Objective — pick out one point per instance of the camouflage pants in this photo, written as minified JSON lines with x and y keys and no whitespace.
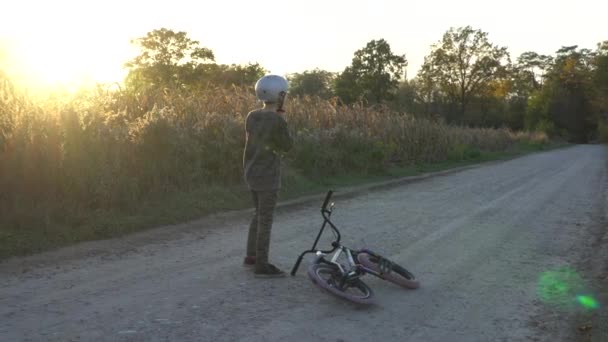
{"x":258,"y":241}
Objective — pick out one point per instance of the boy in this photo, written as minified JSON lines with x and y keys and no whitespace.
{"x":267,"y":138}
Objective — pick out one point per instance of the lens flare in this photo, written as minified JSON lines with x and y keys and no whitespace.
{"x":588,"y":302}
{"x":563,"y":288}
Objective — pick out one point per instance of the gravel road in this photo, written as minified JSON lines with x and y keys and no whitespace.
{"x":479,"y":240}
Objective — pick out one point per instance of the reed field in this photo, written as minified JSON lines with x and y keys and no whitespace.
{"x":67,"y":161}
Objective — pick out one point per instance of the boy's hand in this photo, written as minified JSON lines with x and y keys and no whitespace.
{"x":281,"y":102}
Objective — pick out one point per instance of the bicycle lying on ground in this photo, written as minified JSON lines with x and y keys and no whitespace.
{"x":345,"y":280}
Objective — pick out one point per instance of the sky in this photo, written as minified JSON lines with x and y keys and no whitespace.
{"x":72,"y":42}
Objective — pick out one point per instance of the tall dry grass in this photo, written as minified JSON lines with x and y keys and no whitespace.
{"x":63,"y":158}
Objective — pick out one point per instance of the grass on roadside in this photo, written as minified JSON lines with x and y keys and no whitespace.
{"x":183,"y":206}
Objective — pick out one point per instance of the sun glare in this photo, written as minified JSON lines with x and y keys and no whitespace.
{"x":65,"y":66}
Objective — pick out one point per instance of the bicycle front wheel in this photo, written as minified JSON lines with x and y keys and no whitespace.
{"x":388,"y":270}
{"x":328,"y":277}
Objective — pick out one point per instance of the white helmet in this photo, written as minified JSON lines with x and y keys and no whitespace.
{"x":270,"y":87}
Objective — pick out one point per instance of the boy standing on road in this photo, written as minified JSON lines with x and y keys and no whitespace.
{"x":267,"y":138}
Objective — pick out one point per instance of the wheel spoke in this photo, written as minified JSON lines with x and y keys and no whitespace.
{"x":352,"y":289}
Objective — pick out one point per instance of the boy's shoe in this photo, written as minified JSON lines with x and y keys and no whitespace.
{"x":249,"y":261}
{"x":269,"y":271}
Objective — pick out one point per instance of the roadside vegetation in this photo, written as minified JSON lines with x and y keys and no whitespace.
{"x":166,"y":146}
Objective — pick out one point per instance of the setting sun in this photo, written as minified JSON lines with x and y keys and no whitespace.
{"x":72,"y":42}
{"x":66,"y":65}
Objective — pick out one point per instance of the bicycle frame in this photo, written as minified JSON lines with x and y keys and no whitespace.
{"x":356,"y":269}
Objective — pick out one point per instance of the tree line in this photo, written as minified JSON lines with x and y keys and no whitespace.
{"x":464,"y":80}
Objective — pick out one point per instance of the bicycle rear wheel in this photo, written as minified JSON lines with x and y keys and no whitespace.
{"x":388,"y":270}
{"x":328,"y":277}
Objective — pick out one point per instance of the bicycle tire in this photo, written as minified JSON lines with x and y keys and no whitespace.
{"x":395,"y":274}
{"x":318,"y":273}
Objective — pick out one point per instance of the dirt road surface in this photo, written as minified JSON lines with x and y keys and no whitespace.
{"x":479,"y":240}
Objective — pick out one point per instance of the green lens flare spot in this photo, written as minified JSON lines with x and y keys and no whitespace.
{"x":560,"y":287}
{"x":588,"y":302}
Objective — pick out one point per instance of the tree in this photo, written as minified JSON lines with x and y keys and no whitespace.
{"x":427,"y":93}
{"x":312,"y":82}
{"x":463,"y":63}
{"x":405,"y":98}
{"x":167,"y":59}
{"x":571,"y":107}
{"x":374,"y":74}
{"x":566,"y":101}
{"x":526,"y":77}
{"x":243,"y":75}
{"x":600,"y":77}
{"x":529,"y":72}
{"x":347,"y":86}
{"x":227,"y":75}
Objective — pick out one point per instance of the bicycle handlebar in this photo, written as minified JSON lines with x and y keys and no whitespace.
{"x":327,"y":198}
{"x":326,"y":214}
